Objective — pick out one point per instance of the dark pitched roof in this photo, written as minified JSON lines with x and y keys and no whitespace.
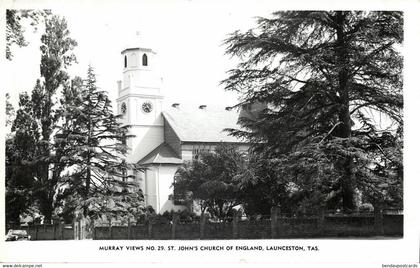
{"x":207,"y":124}
{"x":163,"y":154}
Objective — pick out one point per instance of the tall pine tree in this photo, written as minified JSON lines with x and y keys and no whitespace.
{"x":325,"y":78}
{"x":93,"y":150}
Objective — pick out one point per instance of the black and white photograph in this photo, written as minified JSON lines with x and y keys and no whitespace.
{"x":187,"y":127}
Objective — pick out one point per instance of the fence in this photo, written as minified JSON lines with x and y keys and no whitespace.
{"x":276,"y":226}
{"x":48,"y":231}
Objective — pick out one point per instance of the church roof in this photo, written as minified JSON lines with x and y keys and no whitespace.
{"x":163,"y":154}
{"x":203,"y":123}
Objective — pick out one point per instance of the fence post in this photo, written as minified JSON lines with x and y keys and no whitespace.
{"x":150,"y":227}
{"x":378,"y":220}
{"x":94,"y":233}
{"x":235,"y":225}
{"x":203,"y":219}
{"x":80,"y":226}
{"x":91,"y":228}
{"x":274,"y":216}
{"x":86,"y":228}
{"x":29,"y":231}
{"x":75,"y":231}
{"x":36,"y":231}
{"x":60,"y":233}
{"x":175,"y":221}
{"x":62,"y":230}
{"x":129,"y":229}
{"x":110,"y":229}
{"x":320,"y":222}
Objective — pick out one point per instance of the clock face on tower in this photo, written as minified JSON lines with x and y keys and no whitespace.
{"x":147,"y":107}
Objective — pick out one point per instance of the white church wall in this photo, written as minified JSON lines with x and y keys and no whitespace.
{"x":140,"y":177}
{"x":146,"y":80}
{"x":133,"y":60}
{"x":134,"y":112}
{"x":186,"y":155}
{"x":165,"y":180}
{"x":139,"y":117}
{"x":158,"y":188}
{"x":151,"y":194}
{"x":137,"y":76}
{"x":189,"y":150}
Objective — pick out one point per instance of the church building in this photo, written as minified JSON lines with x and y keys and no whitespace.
{"x":166,"y":134}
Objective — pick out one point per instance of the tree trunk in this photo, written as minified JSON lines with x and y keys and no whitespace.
{"x":46,"y":206}
{"x":347,"y":186}
{"x":344,"y":129}
{"x":88,"y":172}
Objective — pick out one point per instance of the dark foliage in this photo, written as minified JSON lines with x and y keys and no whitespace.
{"x":91,"y":146}
{"x":14,"y":29}
{"x":212,"y":181}
{"x":326,"y":79}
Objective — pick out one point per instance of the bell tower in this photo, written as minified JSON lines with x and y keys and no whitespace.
{"x":140,"y":99}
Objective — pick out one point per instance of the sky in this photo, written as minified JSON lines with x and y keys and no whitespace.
{"x":187,"y":36}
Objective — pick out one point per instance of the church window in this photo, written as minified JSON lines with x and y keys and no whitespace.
{"x":123,"y":108}
{"x":125,"y":61}
{"x":134,"y":60}
{"x":179,"y":197}
{"x":198,"y":150}
{"x":144,"y":60}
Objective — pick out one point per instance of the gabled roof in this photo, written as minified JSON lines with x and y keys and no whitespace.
{"x":163,"y":154}
{"x":205,"y":124}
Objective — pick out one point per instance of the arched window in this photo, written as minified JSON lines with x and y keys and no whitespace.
{"x":125,"y":61}
{"x":123,"y":108}
{"x":144,"y":60}
{"x":134,"y":60}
